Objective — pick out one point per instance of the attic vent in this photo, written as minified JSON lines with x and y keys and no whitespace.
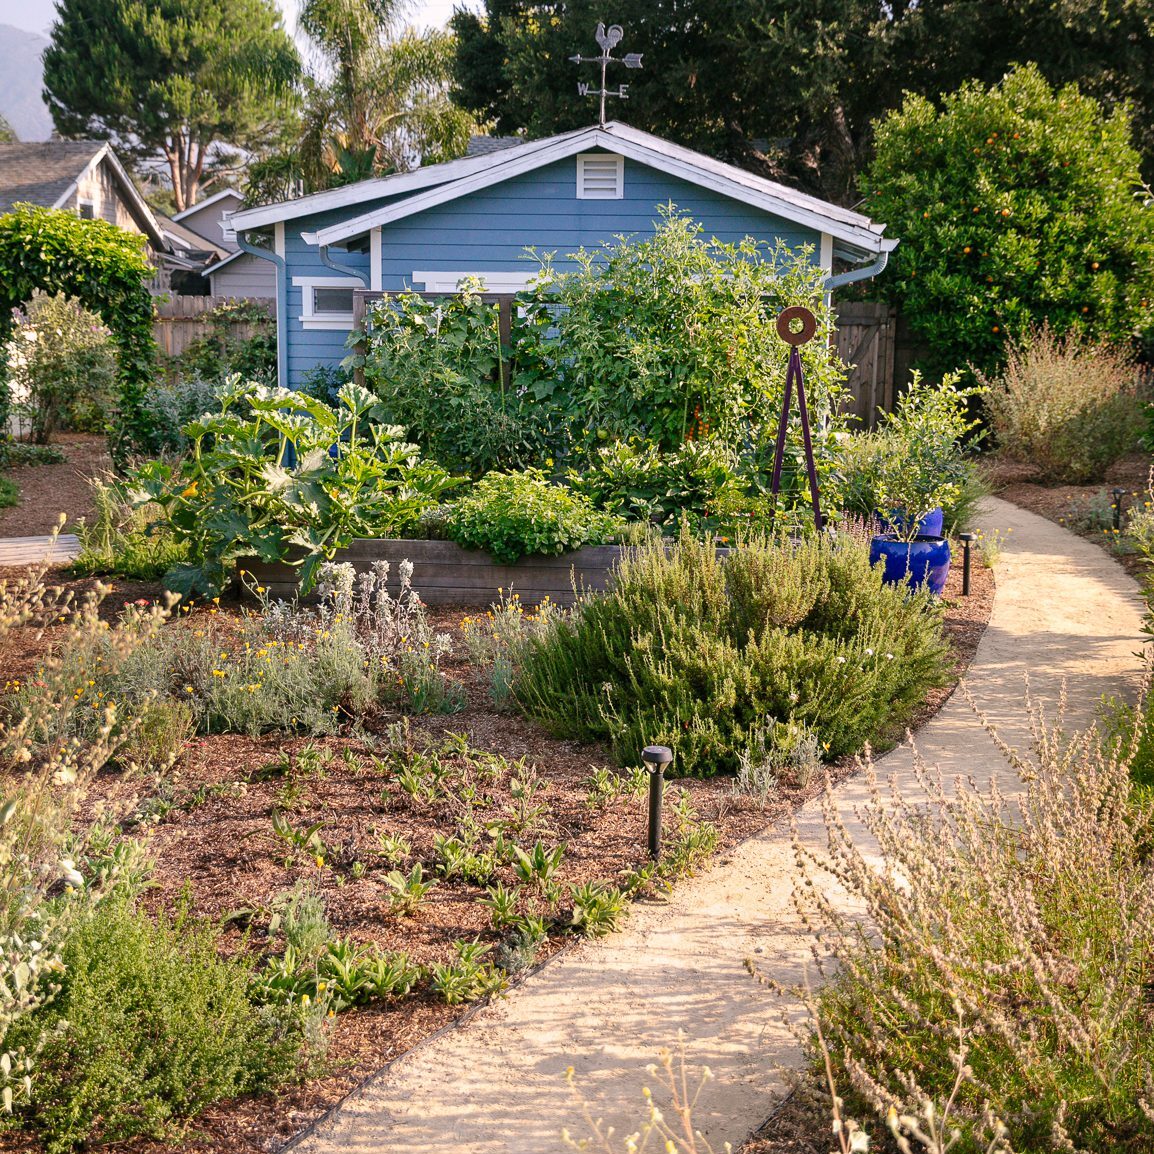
{"x":600,"y":176}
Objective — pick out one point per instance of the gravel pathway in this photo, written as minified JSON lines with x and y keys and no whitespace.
{"x":1064,"y":613}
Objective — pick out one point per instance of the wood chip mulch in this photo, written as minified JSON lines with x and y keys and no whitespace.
{"x":217,"y":843}
{"x":47,"y":491}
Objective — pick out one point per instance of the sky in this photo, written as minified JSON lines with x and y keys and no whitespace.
{"x":36,"y":15}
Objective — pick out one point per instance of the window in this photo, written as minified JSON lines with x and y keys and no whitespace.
{"x":600,"y":176}
{"x":326,"y":302}
{"x":87,"y":209}
{"x":495,"y":282}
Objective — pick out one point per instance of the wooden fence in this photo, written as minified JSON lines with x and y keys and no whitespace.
{"x":866,"y":340}
{"x":180,"y":320}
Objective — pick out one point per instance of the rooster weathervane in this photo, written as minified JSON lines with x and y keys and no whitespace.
{"x":608,"y":39}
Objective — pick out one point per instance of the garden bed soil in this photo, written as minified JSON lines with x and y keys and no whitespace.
{"x":47,"y":491}
{"x":1067,"y":505}
{"x":218,"y":844}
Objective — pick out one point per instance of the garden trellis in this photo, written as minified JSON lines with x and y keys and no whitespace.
{"x":794,"y":374}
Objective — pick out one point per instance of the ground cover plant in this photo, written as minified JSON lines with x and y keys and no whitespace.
{"x":736,"y":658}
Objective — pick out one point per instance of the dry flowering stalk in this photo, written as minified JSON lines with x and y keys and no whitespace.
{"x":994,"y":983}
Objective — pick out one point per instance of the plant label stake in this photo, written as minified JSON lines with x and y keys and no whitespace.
{"x":794,"y":374}
{"x":656,"y":758}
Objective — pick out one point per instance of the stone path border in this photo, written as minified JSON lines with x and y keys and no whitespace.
{"x":1064,"y":613}
{"x":33,"y":550}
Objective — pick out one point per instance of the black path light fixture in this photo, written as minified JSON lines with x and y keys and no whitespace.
{"x":806,"y":324}
{"x":656,"y":758}
{"x":967,"y":540}
{"x":1118,"y":494}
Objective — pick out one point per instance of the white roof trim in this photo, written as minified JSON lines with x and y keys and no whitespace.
{"x":211,"y":200}
{"x":849,"y":227}
{"x":367,"y":190}
{"x":218,"y":265}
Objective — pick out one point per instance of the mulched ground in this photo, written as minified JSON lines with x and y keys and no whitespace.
{"x":1068,"y":505}
{"x":217,"y":841}
{"x":46,"y":491}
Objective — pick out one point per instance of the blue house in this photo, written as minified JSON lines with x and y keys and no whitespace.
{"x":475,"y":216}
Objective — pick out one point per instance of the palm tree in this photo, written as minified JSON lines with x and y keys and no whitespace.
{"x":379,"y":102}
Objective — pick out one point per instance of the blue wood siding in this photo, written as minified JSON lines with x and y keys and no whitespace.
{"x":489,"y":230}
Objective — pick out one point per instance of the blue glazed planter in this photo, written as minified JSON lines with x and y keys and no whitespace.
{"x":922,"y":561}
{"x":929,"y":526}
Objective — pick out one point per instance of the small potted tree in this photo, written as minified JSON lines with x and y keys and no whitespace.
{"x":917,"y":467}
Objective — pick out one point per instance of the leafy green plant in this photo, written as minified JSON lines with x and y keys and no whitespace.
{"x":598,"y":909}
{"x":469,"y":977}
{"x":241,"y":339}
{"x":916,"y":461}
{"x":436,"y":366}
{"x":1016,"y":204}
{"x":514,"y":515}
{"x":306,"y":839}
{"x":1065,"y":406}
{"x":404,"y":894}
{"x":149,"y":1026}
{"x":107,"y":270}
{"x":538,"y":865}
{"x":502,"y":905}
{"x":695,"y":653}
{"x":394,"y":847}
{"x":172,"y":405}
{"x":287,"y":471}
{"x":22,"y":454}
{"x":61,"y":363}
{"x":9,"y":493}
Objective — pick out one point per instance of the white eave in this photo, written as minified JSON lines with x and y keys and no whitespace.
{"x":234,"y":193}
{"x":852,"y":229}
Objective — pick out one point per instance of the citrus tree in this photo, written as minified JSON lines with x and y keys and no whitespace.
{"x":1016,"y":205}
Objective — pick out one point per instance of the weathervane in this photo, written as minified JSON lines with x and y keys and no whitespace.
{"x":608,"y":40}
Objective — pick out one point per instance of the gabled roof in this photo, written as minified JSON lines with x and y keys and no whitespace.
{"x":200,"y":205}
{"x":365,"y":191}
{"x":47,"y":172}
{"x":181,"y":237}
{"x":412,"y":192}
{"x":856,"y":232}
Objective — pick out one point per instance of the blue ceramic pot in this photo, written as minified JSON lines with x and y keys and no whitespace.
{"x":929,"y":526}
{"x":922,"y":561}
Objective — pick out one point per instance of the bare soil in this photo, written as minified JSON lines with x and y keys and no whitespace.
{"x":47,"y":491}
{"x":215,"y":841}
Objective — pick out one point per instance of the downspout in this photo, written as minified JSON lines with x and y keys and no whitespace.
{"x":346,"y":270}
{"x":243,"y":244}
{"x":862,"y":272}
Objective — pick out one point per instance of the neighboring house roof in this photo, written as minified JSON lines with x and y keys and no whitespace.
{"x":484,"y":145}
{"x":200,"y":205}
{"x":218,"y":265}
{"x":187,"y":242}
{"x":47,"y":173}
{"x":424,"y":188}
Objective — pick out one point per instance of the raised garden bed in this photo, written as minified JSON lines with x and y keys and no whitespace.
{"x":447,"y":574}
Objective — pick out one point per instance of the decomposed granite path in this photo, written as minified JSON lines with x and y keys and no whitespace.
{"x":1064,"y":613}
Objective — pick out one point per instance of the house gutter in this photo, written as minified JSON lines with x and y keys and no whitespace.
{"x":281,"y":302}
{"x":344,"y":269}
{"x":862,"y":272}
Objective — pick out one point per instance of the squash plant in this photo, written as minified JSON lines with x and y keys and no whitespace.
{"x":274,"y":469}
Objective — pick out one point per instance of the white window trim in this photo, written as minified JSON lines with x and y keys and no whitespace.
{"x":495,"y":282}
{"x":333,"y":322}
{"x":601,"y":158}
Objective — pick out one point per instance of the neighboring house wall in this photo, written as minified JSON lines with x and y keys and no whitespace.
{"x":247,"y":276}
{"x":489,"y":230}
{"x":207,"y":220}
{"x":98,"y":188}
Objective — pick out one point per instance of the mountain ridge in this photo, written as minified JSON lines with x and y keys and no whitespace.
{"x":21,"y":82}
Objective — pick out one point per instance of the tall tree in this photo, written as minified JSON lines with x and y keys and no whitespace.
{"x":174,"y":77}
{"x":380,"y":101}
{"x":792,"y":88}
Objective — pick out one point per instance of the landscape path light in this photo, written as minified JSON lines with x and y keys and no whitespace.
{"x":656,"y":758}
{"x":967,"y":539}
{"x":1118,"y":493}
